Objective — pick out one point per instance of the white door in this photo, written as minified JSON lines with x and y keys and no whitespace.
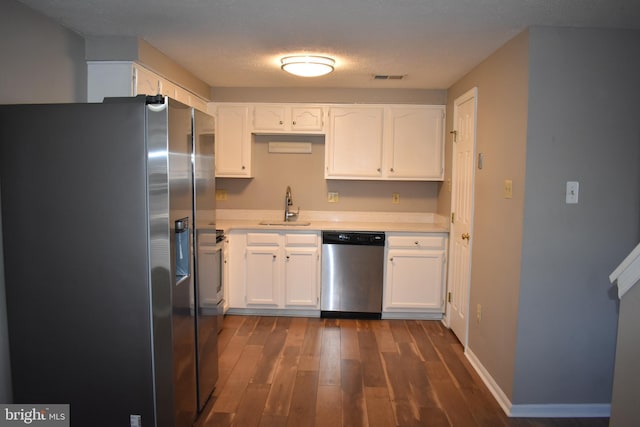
{"x":460,"y":237}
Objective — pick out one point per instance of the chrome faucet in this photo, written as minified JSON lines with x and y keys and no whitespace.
{"x":288,"y":201}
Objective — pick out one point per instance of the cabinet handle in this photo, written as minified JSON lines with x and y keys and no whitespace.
{"x":465,"y":236}
{"x":243,"y":167}
{"x":274,"y":257}
{"x":378,"y":169}
{"x":416,"y":243}
{"x":391,"y":259}
{"x":280,"y":122}
{"x":391,"y":169}
{"x":294,"y":122}
{"x":287,"y":257}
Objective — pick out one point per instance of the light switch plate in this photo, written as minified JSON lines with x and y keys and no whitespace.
{"x":508,"y":189}
{"x":395,"y":198}
{"x":573,"y":188}
{"x":333,"y":197}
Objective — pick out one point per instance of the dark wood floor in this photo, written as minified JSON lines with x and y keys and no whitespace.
{"x":280,"y":371}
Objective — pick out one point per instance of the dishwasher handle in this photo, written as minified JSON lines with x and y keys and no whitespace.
{"x":355,"y":238}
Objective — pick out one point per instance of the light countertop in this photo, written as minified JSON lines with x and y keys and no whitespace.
{"x":230,"y":220}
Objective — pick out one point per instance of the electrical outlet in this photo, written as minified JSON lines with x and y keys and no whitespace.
{"x":479,"y":313}
{"x":221,"y":194}
{"x":395,"y":198}
{"x":333,"y":197}
{"x":508,"y":189}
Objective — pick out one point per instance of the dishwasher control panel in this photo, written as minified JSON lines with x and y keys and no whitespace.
{"x":367,"y":238}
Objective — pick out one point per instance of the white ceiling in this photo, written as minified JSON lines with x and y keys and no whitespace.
{"x":237,"y":43}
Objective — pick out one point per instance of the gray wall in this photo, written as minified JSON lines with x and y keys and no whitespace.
{"x":43,"y":62}
{"x":625,"y":403}
{"x":328,"y":95}
{"x":582,"y":125}
{"x":128,"y":48}
{"x":497,"y":231}
{"x":305,"y":174}
{"x":554,"y":104}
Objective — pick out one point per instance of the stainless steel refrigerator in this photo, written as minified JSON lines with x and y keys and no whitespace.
{"x":101,"y":204}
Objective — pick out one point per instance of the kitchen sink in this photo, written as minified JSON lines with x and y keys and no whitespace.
{"x":287,"y":223}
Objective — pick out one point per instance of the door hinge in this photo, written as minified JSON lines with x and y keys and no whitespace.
{"x":449,"y":298}
{"x":453,"y":217}
{"x":455,"y":135}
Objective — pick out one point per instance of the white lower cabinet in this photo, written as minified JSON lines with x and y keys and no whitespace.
{"x":274,"y":270}
{"x":415,"y":273}
{"x":302,"y":274}
{"x":262,"y":268}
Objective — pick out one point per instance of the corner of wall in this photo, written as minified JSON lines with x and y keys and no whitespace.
{"x":502,"y":82}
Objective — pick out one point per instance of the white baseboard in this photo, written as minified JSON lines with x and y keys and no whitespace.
{"x":488,"y":380}
{"x":274,"y":312}
{"x":411,"y":315}
{"x":595,"y":410}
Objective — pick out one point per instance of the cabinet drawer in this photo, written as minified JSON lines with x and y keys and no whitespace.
{"x":422,"y":242}
{"x":301,"y":239}
{"x":262,"y":239}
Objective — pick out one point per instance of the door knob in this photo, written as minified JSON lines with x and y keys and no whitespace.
{"x":465,"y":236}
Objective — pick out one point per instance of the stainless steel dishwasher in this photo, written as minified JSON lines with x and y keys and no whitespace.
{"x":352,"y":274}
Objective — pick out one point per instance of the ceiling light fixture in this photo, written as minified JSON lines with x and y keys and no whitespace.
{"x":307,"y":65}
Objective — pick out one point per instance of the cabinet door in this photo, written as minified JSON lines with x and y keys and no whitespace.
{"x":307,"y":119}
{"x":147,"y":82}
{"x":262,"y":275}
{"x":233,"y":142}
{"x":415,"y":279}
{"x":225,"y":273}
{"x":301,"y":276}
{"x":109,"y":78}
{"x":415,"y":143}
{"x":269,"y":118}
{"x":354,"y":143}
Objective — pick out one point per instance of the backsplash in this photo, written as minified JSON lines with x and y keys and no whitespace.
{"x":304,"y":173}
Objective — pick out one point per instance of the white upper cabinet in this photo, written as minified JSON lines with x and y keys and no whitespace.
{"x":394,"y":142}
{"x":415,"y":143}
{"x":285,"y":118}
{"x":233,"y":141}
{"x":125,"y":78}
{"x":368,"y":142}
{"x":147,"y":82}
{"x":353,"y":147}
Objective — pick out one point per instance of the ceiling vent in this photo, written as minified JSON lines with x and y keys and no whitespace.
{"x":389,"y":76}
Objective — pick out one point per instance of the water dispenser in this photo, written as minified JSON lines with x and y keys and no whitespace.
{"x":183,"y":264}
